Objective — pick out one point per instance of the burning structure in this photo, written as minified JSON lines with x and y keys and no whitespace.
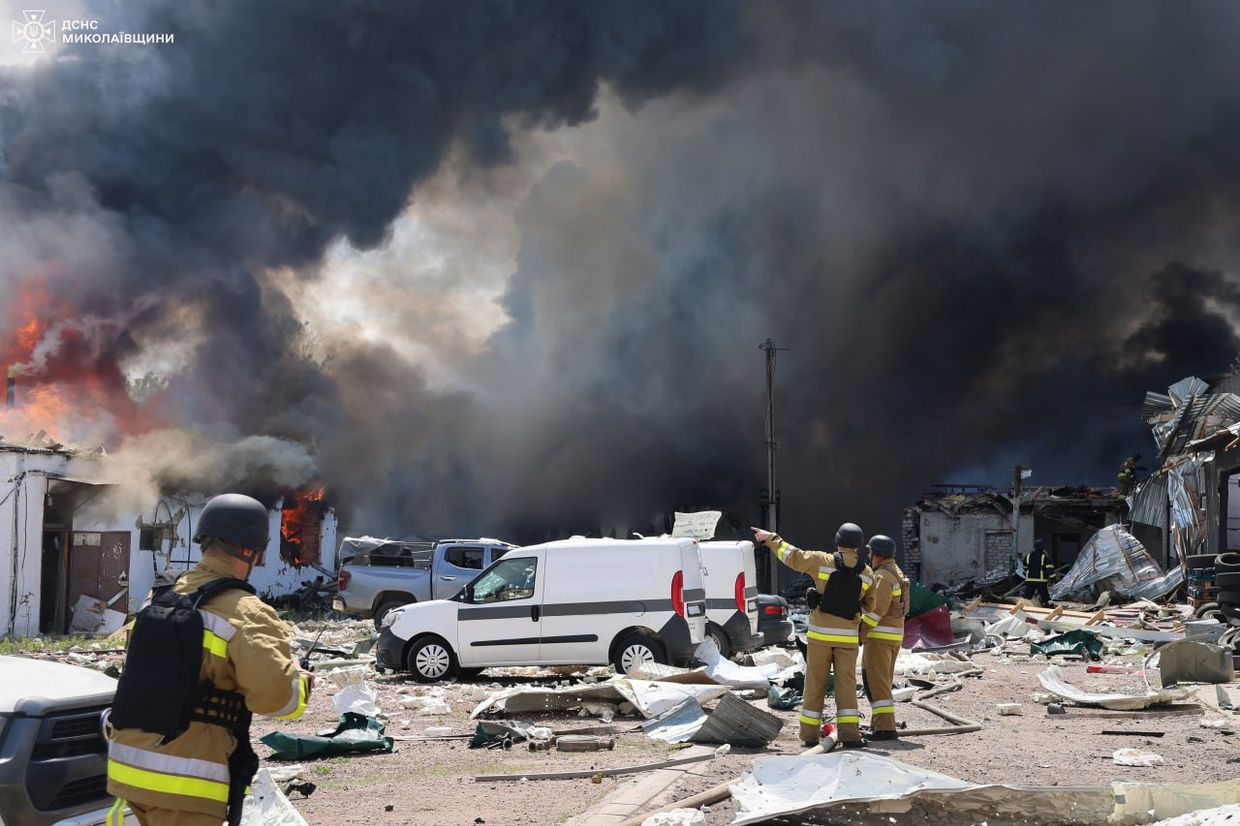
{"x":68,"y":531}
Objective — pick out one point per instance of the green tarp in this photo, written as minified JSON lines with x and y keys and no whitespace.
{"x":783,"y":699}
{"x":1084,"y":643}
{"x":355,"y":733}
{"x":921,"y":599}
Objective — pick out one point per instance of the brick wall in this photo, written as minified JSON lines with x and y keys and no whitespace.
{"x":911,"y":542}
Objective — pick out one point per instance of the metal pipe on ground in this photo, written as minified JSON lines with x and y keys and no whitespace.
{"x":723,"y":791}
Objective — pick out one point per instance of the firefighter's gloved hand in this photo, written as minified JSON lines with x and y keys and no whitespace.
{"x":812,"y":598}
{"x":761,"y":535}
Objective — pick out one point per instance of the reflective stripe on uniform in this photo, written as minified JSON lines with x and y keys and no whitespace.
{"x":895,"y":592}
{"x":218,"y":626}
{"x":866,"y":582}
{"x":167,"y":783}
{"x":887,"y":632}
{"x":167,"y":763}
{"x":825,"y":634}
{"x":824,"y":573}
{"x":116,"y":815}
{"x":784,"y":550}
{"x":848,"y":715}
{"x":883,"y":707}
{"x":296,"y":706}
{"x":216,"y":645}
{"x":870,"y":618}
{"x":810,"y":717}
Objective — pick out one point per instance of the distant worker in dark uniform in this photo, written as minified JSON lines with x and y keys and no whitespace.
{"x":842,"y":590}
{"x":203,"y":657}
{"x":1038,"y":572}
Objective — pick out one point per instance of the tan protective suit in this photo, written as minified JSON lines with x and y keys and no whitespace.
{"x":245,"y":648}
{"x":832,"y":644}
{"x":882,"y":631}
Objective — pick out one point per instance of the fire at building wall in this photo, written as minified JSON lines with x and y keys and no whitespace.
{"x":68,"y":532}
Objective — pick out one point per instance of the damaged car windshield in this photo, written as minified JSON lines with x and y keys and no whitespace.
{"x":510,"y":579}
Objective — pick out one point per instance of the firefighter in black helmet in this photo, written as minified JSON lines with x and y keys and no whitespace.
{"x":204,"y":656}
{"x":842,"y":583}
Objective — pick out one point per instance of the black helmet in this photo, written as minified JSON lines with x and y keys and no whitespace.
{"x":239,"y":522}
{"x":849,"y":536}
{"x":883,"y":546}
{"x":1037,"y":544}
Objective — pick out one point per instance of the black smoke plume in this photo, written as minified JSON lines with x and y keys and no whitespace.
{"x":983,"y":230}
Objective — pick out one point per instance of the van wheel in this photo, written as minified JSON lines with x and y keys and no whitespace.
{"x":721,"y":640}
{"x":431,"y":660}
{"x":383,"y":609}
{"x":636,"y":649}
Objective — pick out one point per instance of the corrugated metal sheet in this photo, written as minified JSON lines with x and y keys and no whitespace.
{"x":1202,"y":417}
{"x":1149,"y":502}
{"x":1187,"y":388}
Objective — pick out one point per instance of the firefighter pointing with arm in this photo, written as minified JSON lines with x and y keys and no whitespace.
{"x":204,"y":655}
{"x":842,"y":586}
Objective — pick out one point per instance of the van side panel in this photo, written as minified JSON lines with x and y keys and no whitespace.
{"x":724,"y":562}
{"x":595,"y":592}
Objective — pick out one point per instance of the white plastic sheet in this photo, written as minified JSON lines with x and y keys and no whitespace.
{"x":649,"y":698}
{"x":875,"y":787}
{"x":266,"y":805}
{"x":360,"y":699}
{"x":1052,"y":680}
{"x":725,"y":672}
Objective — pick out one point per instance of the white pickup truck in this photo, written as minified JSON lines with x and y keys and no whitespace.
{"x":380,"y":575}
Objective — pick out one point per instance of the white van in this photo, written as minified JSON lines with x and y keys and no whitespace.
{"x":731,"y":580}
{"x":571,"y":602}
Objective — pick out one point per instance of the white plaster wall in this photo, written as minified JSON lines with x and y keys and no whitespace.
{"x":953,"y":549}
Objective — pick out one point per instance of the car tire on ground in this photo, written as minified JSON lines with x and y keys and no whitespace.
{"x":635,"y":648}
{"x":384,"y":607}
{"x":431,"y":659}
{"x":1229,"y":561}
{"x":721,"y":640}
{"x":1200,"y":560}
{"x":1228,"y":580}
{"x":1205,"y":608}
{"x":1229,"y":598}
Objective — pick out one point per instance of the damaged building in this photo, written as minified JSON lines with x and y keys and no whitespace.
{"x":68,"y":543}
{"x":961,"y":533}
{"x":1190,"y":504}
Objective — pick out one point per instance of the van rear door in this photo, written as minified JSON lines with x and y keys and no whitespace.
{"x":750,"y":567}
{"x":693,"y":589}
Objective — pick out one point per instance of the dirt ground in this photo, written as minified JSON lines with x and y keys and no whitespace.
{"x":433,"y":782}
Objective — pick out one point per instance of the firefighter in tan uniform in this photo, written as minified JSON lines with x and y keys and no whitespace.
{"x":882,"y":632}
{"x":204,"y":655}
{"x":842,"y":585}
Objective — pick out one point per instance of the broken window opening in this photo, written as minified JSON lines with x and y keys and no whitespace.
{"x":301,"y":524}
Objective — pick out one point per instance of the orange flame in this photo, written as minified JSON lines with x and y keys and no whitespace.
{"x":304,"y":505}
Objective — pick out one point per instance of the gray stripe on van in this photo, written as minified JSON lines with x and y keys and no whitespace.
{"x":751,"y":591}
{"x":582,"y":609}
{"x":721,"y":603}
{"x":694,"y":594}
{"x":563,"y":609}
